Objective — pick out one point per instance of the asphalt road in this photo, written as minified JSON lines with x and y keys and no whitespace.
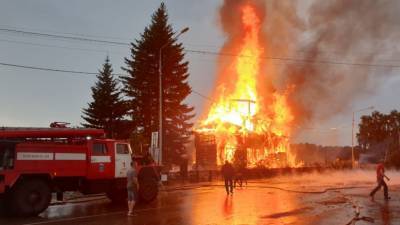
{"x":329,"y":198}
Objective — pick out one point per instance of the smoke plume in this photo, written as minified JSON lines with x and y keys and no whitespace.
{"x":325,"y":53}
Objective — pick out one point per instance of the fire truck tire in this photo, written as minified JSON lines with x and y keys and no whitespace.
{"x":148,"y":190}
{"x":2,"y":205}
{"x":30,"y":197}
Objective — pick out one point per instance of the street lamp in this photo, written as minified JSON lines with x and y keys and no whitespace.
{"x":352,"y":133}
{"x":160,"y":123}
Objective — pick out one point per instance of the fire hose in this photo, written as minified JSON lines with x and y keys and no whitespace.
{"x":266,"y":187}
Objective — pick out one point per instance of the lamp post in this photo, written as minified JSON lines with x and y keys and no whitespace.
{"x":160,"y":114}
{"x":352,"y":133}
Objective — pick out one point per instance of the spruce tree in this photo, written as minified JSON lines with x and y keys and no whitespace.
{"x":107,"y":109}
{"x":141,"y":86}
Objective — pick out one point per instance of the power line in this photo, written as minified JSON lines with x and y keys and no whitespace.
{"x":198,"y":45}
{"x":203,"y":96}
{"x":285,"y":59}
{"x":208,"y":53}
{"x":76,"y":72}
{"x":47,"y":69}
{"x":57,"y":46}
{"x":63,"y":36}
{"x":64,"y":33}
{"x":295,"y":60}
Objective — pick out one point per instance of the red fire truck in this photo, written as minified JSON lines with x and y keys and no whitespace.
{"x":36,"y":162}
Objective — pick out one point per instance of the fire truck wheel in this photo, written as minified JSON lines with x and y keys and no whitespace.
{"x":2,"y":205}
{"x":30,"y":197}
{"x":148,"y":190}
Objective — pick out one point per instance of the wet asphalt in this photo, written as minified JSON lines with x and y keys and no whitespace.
{"x":268,"y":201}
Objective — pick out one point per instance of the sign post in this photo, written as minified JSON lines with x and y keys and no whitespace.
{"x":154,"y":147}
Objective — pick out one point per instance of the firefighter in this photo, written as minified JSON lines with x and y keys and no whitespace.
{"x":239,"y":177}
{"x":380,"y":175}
{"x":132,"y":187}
{"x":228,"y":173}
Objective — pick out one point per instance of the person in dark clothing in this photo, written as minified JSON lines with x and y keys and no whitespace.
{"x":380,"y":175}
{"x":228,"y":173}
{"x":239,"y":177}
{"x":147,"y":158}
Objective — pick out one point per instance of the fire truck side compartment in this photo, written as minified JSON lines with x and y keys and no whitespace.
{"x":60,"y":160}
{"x":69,"y":165}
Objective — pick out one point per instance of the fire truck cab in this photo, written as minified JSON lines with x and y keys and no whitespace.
{"x":36,"y":162}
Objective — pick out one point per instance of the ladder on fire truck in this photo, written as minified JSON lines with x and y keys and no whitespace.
{"x":35,"y":132}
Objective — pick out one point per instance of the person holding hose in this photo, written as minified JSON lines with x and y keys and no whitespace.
{"x":380,"y":177}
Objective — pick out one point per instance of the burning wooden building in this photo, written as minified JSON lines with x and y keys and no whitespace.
{"x":248,"y":121}
{"x":242,"y":149}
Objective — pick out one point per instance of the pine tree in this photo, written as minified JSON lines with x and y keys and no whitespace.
{"x":141,"y":86}
{"x":107,"y":109}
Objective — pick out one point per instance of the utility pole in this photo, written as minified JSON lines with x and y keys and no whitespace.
{"x":160,"y":114}
{"x":352,"y":142}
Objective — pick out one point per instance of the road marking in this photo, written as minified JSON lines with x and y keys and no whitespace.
{"x":88,"y":217}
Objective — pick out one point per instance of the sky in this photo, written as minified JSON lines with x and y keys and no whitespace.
{"x":37,"y":98}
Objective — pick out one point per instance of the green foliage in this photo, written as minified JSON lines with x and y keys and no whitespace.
{"x":107,"y":110}
{"x":141,"y":86}
{"x":393,"y":159}
{"x":381,"y":130}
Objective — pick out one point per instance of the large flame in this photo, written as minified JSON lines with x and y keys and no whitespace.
{"x":240,"y":112}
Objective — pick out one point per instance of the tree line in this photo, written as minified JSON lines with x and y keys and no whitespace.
{"x":379,"y":136}
{"x":127,"y":107}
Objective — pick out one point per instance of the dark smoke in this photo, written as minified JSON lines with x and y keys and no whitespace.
{"x":323,"y":35}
